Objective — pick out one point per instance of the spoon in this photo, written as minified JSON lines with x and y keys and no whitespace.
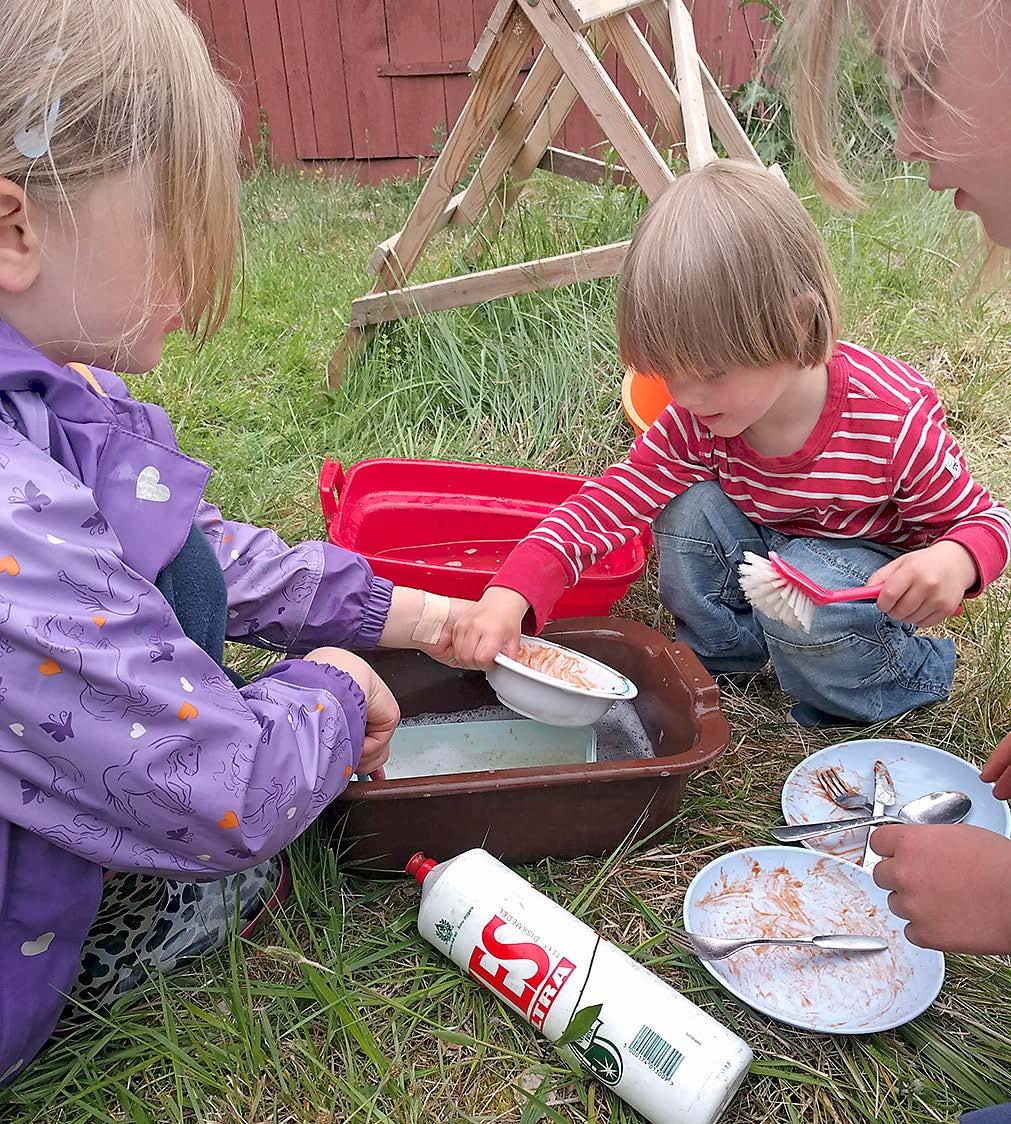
{"x":936,"y":807}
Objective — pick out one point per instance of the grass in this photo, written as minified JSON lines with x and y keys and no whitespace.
{"x":339,"y":1012}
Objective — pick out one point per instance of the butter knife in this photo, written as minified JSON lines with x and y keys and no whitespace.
{"x":884,"y":797}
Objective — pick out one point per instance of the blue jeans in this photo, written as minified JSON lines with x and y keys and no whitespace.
{"x":998,"y":1114}
{"x":855,"y":665}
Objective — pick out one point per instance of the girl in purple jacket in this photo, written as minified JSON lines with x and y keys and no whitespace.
{"x":125,"y":745}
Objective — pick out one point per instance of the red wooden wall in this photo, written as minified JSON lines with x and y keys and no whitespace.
{"x":372,"y":84}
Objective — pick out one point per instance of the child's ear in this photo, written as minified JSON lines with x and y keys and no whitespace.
{"x":815,"y":320}
{"x":20,"y":257}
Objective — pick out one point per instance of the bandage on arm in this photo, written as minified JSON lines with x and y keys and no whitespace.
{"x":415,"y":618}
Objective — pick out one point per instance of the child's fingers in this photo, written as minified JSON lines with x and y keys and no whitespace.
{"x":486,"y":651}
{"x":998,"y":761}
{"x":896,"y":586}
{"x":908,"y":606}
{"x":1002,"y":786}
{"x":885,"y":572}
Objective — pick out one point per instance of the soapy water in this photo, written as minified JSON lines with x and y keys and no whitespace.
{"x":620,"y":734}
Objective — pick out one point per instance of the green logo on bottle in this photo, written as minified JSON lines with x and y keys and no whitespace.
{"x":444,"y":931}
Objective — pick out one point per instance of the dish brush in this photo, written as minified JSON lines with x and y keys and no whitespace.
{"x":783,"y":592}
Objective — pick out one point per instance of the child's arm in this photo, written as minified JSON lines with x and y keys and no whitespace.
{"x":122,"y":740}
{"x":606,"y":512}
{"x":934,"y":490}
{"x":296,"y":598}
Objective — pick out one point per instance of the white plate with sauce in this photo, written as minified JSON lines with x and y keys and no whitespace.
{"x":915,"y":769}
{"x":792,"y":892}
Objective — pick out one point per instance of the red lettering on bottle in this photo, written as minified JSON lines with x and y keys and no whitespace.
{"x":486,"y":964}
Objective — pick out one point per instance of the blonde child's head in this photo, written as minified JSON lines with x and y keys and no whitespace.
{"x":948,"y":62}
{"x":726,"y":272}
{"x":118,"y":178}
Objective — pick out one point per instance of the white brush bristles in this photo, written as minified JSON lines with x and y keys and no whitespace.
{"x":770,"y":593}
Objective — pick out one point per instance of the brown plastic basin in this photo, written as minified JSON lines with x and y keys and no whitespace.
{"x":523,"y":815}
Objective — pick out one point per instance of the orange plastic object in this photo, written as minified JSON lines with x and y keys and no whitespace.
{"x":643,"y":399}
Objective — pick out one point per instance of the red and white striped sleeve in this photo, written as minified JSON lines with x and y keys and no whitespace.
{"x":605,"y":513}
{"x":935,"y":491}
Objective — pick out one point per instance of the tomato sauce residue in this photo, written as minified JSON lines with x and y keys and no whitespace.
{"x":835,"y":988}
{"x":556,"y":664}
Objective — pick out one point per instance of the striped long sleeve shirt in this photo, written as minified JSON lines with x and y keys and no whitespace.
{"x":880,"y":465}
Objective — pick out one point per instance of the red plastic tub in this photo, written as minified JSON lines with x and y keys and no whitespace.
{"x":446,"y":526}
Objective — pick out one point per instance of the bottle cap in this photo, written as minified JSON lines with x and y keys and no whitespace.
{"x":419,"y":867}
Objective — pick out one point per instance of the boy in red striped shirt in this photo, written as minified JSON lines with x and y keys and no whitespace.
{"x":779,"y":437}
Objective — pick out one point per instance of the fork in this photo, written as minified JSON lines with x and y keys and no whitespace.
{"x":841,"y":792}
{"x":718,"y":948}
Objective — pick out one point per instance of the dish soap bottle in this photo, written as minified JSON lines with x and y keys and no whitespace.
{"x":654,"y":1048}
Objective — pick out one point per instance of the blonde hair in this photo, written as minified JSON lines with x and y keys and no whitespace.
{"x":909,"y":33}
{"x":726,"y":270}
{"x":810,"y":40}
{"x":137,"y":93}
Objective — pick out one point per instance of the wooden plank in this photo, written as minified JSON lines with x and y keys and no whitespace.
{"x":635,"y":96}
{"x":490,"y":284}
{"x":509,"y":138}
{"x":324,"y":53}
{"x":235,"y":60}
{"x":597,"y":90}
{"x":645,"y":68}
{"x":721,"y":117}
{"x":388,"y":248}
{"x":549,"y":124}
{"x":493,"y":25}
{"x":489,"y":101}
{"x":419,"y":103}
{"x":590,"y":11}
{"x":698,"y":140}
{"x":576,"y":166}
{"x":271,"y":80}
{"x":296,"y":70}
{"x":370,"y":97}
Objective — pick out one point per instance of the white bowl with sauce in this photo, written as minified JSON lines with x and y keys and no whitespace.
{"x":571,"y":690}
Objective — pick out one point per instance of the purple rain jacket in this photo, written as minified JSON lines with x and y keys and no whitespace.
{"x":124,"y":745}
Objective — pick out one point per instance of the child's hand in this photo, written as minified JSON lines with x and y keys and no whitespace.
{"x":382,"y":714}
{"x":997,"y":771}
{"x":951,"y":883}
{"x":926,"y":586}
{"x":490,"y":626}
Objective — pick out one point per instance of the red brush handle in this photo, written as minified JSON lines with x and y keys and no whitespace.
{"x":858,"y":593}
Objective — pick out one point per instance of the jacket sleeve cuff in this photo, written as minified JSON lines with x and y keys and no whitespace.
{"x":377,"y":609}
{"x":988,"y":552}
{"x":324,"y":677}
{"x":537,"y":573}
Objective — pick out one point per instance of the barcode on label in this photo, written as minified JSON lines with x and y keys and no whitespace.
{"x":656,"y":1052}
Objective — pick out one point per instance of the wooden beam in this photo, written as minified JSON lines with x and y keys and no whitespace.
{"x":648,"y":72}
{"x":721,"y":115}
{"x":576,"y":166}
{"x":698,"y":140}
{"x":496,"y":21}
{"x":388,"y":247}
{"x":581,"y":13}
{"x":508,"y":140}
{"x":490,"y":284}
{"x":489,"y":100}
{"x":601,"y":96}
